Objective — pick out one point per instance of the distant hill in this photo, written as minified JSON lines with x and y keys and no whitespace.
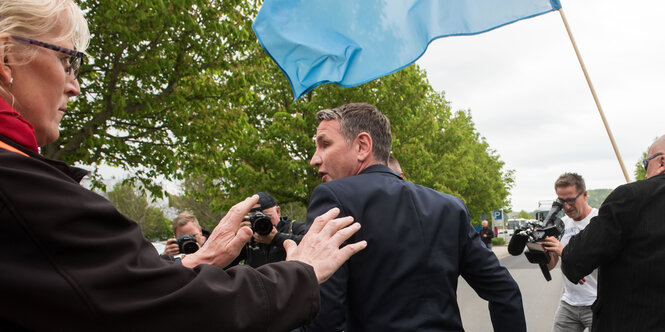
{"x":597,"y":196}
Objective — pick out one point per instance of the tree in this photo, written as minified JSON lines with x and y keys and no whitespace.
{"x":640,"y":173}
{"x":198,"y":204}
{"x":436,"y":147}
{"x":161,"y":83}
{"x":524,"y":215}
{"x":135,"y":206}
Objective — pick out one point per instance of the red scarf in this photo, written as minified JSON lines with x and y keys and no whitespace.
{"x":16,"y":128}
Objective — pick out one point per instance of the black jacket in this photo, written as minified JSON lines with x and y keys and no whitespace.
{"x":419,"y":242}
{"x":625,"y":242}
{"x":486,"y":231}
{"x":256,"y":254}
{"x":70,"y":261}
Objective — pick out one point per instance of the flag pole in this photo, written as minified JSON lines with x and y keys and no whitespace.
{"x":595,"y":97}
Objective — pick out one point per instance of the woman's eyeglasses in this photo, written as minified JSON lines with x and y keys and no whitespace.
{"x":73,"y":62}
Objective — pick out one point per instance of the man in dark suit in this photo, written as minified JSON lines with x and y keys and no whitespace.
{"x":625,"y":243}
{"x":419,"y":240}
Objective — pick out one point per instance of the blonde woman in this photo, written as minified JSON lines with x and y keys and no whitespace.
{"x":70,"y":261}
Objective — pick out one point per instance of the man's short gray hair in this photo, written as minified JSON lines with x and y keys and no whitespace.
{"x":570,"y":179}
{"x":183,"y":218}
{"x":356,"y":118}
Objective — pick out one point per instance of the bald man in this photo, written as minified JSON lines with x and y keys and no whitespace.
{"x":625,"y":243}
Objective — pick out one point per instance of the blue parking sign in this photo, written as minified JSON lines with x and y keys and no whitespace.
{"x":498,"y":215}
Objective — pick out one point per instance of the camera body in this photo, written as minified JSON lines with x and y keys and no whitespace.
{"x":261,"y":223}
{"x":533,"y":233}
{"x":187,"y":244}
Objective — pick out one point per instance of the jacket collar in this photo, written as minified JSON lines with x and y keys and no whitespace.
{"x":16,"y":128}
{"x":378,"y":168}
{"x":74,"y":173}
{"x":19,"y":133}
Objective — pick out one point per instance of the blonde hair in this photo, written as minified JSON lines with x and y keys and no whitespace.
{"x":183,"y":218}
{"x":38,"y":18}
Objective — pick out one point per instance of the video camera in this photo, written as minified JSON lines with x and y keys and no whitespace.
{"x":260,"y":223}
{"x":533,"y":233}
{"x":187,"y":244}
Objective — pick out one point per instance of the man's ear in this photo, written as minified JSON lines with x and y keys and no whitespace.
{"x":363,"y":146}
{"x":5,"y":69}
{"x":661,"y":166}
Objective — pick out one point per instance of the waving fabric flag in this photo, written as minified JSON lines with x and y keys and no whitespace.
{"x":350,"y":42}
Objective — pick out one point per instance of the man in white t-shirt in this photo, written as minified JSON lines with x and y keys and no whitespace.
{"x":574,"y":312}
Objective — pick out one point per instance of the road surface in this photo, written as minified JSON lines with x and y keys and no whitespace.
{"x":540,"y":297}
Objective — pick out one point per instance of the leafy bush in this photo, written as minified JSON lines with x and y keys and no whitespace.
{"x":497,"y":241}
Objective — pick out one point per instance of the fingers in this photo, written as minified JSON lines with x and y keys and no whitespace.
{"x":289,"y":246}
{"x":236,"y":214}
{"x":245,"y":223}
{"x":321,"y":221}
{"x":342,"y":232}
{"x":351,"y":249}
{"x":243,"y":235}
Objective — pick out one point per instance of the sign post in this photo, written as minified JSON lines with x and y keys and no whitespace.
{"x":497,"y":219}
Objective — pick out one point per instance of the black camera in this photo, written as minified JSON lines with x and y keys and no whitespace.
{"x":261,"y":223}
{"x":187,"y":244}
{"x":533,"y":233}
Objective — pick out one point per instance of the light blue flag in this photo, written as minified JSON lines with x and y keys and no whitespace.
{"x":350,"y":42}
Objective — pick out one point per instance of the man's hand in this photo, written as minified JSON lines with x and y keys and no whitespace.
{"x":267,"y":239}
{"x":320,"y":246}
{"x":226,"y":240}
{"x":171,"y":247}
{"x":552,"y":245}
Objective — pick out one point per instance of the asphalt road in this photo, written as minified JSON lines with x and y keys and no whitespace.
{"x":540,"y":297}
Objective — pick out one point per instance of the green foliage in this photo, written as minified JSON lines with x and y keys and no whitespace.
{"x":524,"y":215}
{"x":135,"y":206}
{"x":595,"y":197}
{"x":198,"y":204}
{"x":436,"y":147}
{"x":640,"y":173}
{"x":160,"y":86}
{"x":498,"y":241}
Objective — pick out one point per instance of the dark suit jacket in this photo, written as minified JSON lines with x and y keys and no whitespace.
{"x":419,"y":241}
{"x":625,"y":242}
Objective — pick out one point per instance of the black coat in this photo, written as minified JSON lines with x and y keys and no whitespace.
{"x":256,"y":254}
{"x":419,"y":242}
{"x":69,"y":261}
{"x":486,"y":231}
{"x":625,"y":242}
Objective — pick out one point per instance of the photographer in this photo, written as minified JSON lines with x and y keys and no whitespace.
{"x":269,"y":247}
{"x":574,"y":312}
{"x":187,"y":233}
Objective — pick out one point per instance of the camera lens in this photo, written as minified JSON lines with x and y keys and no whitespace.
{"x":187,"y":244}
{"x":261,"y":223}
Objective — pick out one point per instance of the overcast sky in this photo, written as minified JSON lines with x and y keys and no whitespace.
{"x":529,"y":99}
